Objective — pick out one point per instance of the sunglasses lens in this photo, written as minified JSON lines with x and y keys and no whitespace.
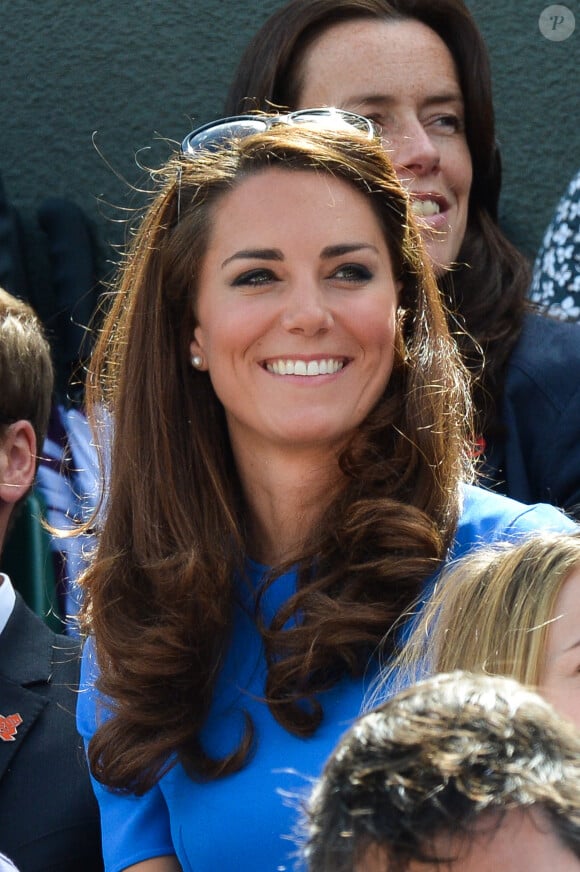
{"x":335,"y":119}
{"x":212,"y":135}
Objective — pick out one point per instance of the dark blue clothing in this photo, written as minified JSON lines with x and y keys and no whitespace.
{"x":538,"y":461}
{"x":245,"y":822}
{"x":49,"y":819}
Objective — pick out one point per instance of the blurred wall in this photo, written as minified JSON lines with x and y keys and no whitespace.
{"x":93,"y":88}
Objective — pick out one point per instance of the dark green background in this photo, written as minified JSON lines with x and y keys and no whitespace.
{"x":142,"y":72}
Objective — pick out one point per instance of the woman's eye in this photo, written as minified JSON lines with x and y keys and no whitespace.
{"x":254,"y":278}
{"x":449,"y":123}
{"x":353,"y":272}
{"x":377,"y":121}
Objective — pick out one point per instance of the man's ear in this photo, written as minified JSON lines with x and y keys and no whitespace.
{"x":17,"y":461}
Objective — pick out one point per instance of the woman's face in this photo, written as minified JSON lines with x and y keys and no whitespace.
{"x":401,"y":74}
{"x":560,"y":682}
{"x":296,"y":310}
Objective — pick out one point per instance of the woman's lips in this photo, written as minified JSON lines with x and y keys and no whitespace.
{"x":301,"y":367}
{"x":431,"y":210}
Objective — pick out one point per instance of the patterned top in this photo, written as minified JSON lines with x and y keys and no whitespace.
{"x":556,"y":279}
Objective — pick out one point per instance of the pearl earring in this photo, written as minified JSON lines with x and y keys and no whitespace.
{"x":196,"y":361}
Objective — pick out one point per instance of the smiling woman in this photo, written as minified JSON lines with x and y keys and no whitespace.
{"x":288,"y":468}
{"x":298,"y":332}
{"x":384,"y":70}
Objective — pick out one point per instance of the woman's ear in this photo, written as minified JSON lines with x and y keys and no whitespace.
{"x":17,"y":461}
{"x":198,"y":360}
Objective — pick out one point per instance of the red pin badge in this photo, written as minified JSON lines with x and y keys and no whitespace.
{"x":8,"y":727}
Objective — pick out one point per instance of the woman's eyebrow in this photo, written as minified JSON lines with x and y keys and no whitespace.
{"x":256,"y":254}
{"x":574,"y":645}
{"x":338,"y":250}
{"x":328,"y":252}
{"x":454,"y":95}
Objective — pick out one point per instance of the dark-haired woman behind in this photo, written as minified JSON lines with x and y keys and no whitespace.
{"x":290,"y":448}
{"x":420,"y":69}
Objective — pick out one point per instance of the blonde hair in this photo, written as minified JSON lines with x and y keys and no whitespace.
{"x":491,"y":612}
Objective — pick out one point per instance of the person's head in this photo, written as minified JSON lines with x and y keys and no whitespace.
{"x":26,"y":383}
{"x":506,"y":609}
{"x":418,"y":67}
{"x":458,"y":772}
{"x":227,"y":272}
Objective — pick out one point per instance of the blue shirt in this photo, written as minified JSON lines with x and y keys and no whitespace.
{"x":246,"y":822}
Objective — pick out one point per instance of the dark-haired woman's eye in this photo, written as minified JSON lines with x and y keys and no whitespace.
{"x":449,"y":123}
{"x":377,"y":121}
{"x":254,"y":278}
{"x":353,"y":272}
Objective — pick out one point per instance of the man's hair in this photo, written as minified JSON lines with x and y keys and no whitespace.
{"x":431,"y":760}
{"x":26,"y":373}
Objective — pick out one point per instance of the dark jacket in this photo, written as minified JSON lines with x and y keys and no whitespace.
{"x":49,"y":819}
{"x":538,"y":460}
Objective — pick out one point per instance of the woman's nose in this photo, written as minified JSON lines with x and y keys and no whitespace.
{"x":411,"y":148}
{"x":306,"y":310}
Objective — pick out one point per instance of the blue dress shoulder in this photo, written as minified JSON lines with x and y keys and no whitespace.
{"x":249,"y":821}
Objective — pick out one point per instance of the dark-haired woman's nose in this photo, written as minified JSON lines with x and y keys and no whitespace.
{"x":412,"y":149}
{"x":306,"y":309}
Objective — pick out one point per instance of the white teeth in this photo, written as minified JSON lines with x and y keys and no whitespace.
{"x":325,"y":366}
{"x":424,"y":208}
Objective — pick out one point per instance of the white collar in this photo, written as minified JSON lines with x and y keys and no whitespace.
{"x":7,"y":600}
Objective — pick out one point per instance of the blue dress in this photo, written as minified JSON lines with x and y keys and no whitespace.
{"x":247,"y":822}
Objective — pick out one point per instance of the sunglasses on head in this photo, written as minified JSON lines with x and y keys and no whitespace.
{"x":237,"y":126}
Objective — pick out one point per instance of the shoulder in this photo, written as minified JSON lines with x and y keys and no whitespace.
{"x":36,"y":653}
{"x":546,"y":357}
{"x":537,"y":331}
{"x":567,"y":201}
{"x":556,"y":277}
{"x":487,"y":517}
{"x":92,"y":707}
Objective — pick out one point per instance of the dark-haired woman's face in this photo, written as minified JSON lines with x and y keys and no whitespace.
{"x":401,"y":74}
{"x":296,"y":311}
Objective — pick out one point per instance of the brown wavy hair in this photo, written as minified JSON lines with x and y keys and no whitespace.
{"x":160,"y":594}
{"x":486,"y":291}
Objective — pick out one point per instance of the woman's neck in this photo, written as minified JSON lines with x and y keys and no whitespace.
{"x":286,"y":493}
